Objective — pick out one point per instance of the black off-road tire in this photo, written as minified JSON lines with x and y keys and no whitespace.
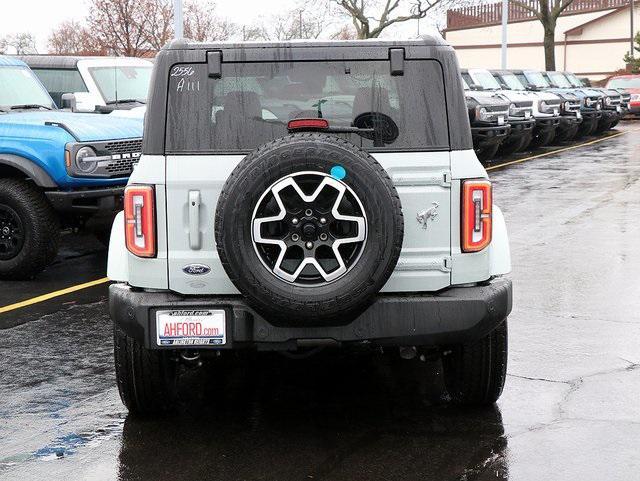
{"x":526,"y":142}
{"x":567,"y":135}
{"x":147,"y":378}
{"x":586,"y":129}
{"x":283,"y":302}
{"x":41,"y":229}
{"x":541,"y":139}
{"x":474,"y":374}
{"x":487,"y":152}
{"x":511,"y":146}
{"x":603,"y":126}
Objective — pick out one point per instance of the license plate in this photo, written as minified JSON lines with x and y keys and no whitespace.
{"x":578,"y":114}
{"x":618,"y":109}
{"x":190,"y":328}
{"x":556,"y":111}
{"x":500,"y":120}
{"x":527,"y":115}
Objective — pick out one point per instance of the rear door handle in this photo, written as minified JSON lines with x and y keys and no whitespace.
{"x":194,"y":219}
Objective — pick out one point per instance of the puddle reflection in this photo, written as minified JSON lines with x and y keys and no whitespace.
{"x":357,"y":417}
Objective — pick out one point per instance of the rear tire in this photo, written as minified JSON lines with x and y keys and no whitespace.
{"x":29,"y":230}
{"x":475,"y":373}
{"x":147,"y":378}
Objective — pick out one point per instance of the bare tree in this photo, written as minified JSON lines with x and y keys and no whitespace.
{"x":120,"y":26}
{"x":72,"y":38}
{"x":202,"y":24}
{"x":345,"y":33}
{"x":255,"y":32}
{"x":389,"y":12}
{"x":4,"y":43}
{"x":23,"y":43}
{"x":547,"y":11}
{"x":308,"y":21}
{"x":159,"y":25}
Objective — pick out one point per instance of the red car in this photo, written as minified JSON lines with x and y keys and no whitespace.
{"x":630,"y":83}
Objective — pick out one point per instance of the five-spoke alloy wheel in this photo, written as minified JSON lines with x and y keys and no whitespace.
{"x":309,"y":228}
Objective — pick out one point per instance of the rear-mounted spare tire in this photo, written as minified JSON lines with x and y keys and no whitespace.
{"x":309,"y":228}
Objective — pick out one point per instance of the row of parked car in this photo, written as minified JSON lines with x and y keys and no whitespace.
{"x":71,"y":134}
{"x":514,"y":110}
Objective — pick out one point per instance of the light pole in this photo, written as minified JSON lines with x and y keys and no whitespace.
{"x":505,"y":22}
{"x":632,"y":28}
{"x":178,"y":21}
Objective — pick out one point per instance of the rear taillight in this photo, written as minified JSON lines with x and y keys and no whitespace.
{"x":140,"y":220}
{"x":476,"y":215}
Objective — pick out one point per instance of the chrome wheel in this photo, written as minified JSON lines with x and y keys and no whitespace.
{"x":309,"y":228}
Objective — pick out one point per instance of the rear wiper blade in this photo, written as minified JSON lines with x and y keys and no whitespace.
{"x":125,"y":101}
{"x":30,"y":106}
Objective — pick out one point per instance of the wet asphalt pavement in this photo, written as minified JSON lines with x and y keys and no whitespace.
{"x":570,"y":410}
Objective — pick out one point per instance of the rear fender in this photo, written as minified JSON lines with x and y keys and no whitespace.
{"x":499,"y":252}
{"x":118,"y":263}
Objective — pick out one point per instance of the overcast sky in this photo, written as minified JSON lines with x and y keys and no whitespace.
{"x":39,"y":17}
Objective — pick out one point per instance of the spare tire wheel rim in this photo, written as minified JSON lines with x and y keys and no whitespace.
{"x":309,"y":229}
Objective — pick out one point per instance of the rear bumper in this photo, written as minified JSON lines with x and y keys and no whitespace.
{"x":456,"y":315}
{"x":89,"y":201}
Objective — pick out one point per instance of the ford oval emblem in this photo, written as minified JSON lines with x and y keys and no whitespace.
{"x":196,"y":269}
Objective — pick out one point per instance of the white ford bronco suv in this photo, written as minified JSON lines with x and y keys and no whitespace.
{"x":302,"y":196}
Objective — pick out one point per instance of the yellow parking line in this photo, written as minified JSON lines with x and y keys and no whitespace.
{"x":51,"y":295}
{"x":558,"y":150}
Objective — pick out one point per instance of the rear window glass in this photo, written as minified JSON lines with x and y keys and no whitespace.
{"x":61,"y":81}
{"x":252,"y":104}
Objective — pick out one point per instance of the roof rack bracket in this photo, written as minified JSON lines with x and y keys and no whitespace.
{"x":214,"y":62}
{"x":396,"y":59}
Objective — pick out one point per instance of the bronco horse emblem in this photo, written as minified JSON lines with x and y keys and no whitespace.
{"x":427,"y":214}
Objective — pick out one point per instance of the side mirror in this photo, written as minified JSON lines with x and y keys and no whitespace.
{"x":86,"y":102}
{"x":69,"y":102}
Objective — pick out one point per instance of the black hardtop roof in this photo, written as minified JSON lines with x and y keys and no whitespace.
{"x":423,"y":41}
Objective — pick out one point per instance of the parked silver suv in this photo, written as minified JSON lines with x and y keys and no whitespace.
{"x":305,"y":196}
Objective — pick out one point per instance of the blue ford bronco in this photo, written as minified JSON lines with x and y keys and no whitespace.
{"x":57,"y":170}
